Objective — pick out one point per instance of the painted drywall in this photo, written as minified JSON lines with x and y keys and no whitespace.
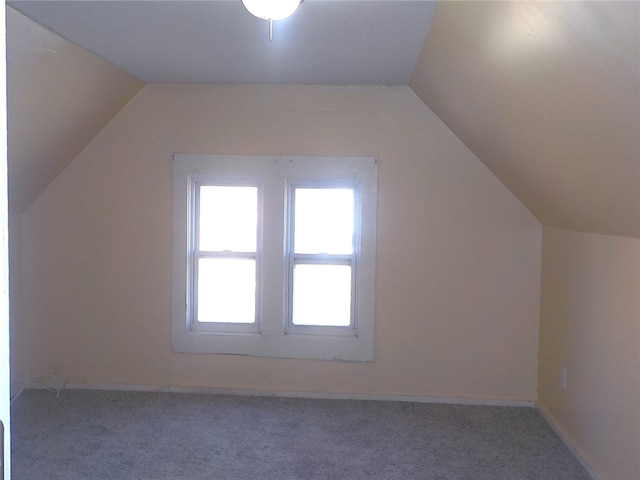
{"x":59,"y":97}
{"x":5,"y":409}
{"x":458,"y":260}
{"x":15,"y":305}
{"x":590,"y":324}
{"x":546,"y":95}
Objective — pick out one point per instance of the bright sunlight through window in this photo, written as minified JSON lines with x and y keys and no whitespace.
{"x":274,"y":256}
{"x":323,"y":220}
{"x":226,"y":251}
{"x":322,"y":256}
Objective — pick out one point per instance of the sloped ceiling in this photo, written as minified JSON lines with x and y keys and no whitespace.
{"x":547,"y":95}
{"x":59,"y":97}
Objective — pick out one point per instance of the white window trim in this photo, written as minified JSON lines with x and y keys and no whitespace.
{"x":274,"y":175}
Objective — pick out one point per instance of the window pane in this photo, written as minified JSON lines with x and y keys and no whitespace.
{"x":226,"y":290}
{"x":228,"y":218}
{"x":323,"y":220}
{"x":322,"y":295}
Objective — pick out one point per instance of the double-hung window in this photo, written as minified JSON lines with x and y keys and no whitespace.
{"x":224,"y":261}
{"x":274,"y":256}
{"x":321,"y":258}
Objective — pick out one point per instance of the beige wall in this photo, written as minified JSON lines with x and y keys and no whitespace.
{"x":457,"y":267}
{"x":59,"y":97}
{"x":542,"y":92}
{"x":15,"y":305}
{"x":590,"y":316}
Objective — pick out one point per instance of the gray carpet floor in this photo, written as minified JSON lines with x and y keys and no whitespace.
{"x":164,"y":436}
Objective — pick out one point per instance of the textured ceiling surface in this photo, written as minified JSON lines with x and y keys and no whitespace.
{"x":546,"y":94}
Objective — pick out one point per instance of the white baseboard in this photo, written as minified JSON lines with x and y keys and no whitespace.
{"x":580,"y":456}
{"x":291,"y":394}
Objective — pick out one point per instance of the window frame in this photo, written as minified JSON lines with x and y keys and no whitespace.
{"x":274,"y":176}
{"x":321,"y":259}
{"x":195,"y":254}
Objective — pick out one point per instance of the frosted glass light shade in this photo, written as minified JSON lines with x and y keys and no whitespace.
{"x":271,"y":9}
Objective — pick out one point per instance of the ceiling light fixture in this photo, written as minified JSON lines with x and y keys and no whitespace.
{"x":271,"y":10}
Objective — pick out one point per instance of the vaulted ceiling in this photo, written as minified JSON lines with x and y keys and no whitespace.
{"x":546,"y":94}
{"x":59,"y":96}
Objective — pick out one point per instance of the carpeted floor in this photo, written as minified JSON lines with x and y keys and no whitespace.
{"x":163,"y":436}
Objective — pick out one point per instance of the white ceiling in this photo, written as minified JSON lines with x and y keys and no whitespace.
{"x":328,"y":42}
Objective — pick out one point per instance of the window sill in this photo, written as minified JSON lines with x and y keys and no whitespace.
{"x":318,"y":347}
